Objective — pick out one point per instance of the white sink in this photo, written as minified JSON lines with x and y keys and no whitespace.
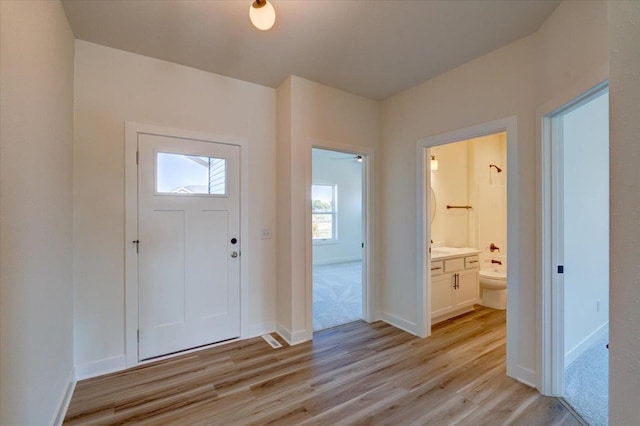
{"x":445,"y":250}
{"x":439,"y":252}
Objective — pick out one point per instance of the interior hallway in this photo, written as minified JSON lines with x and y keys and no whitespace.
{"x":357,"y":373}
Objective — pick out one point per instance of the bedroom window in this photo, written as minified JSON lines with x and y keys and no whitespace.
{"x":324,"y":212}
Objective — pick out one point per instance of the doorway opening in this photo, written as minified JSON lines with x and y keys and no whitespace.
{"x":338,"y":236}
{"x":468,"y":226}
{"x":576,"y":165}
{"x":462,"y":268}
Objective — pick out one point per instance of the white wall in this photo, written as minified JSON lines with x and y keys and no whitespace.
{"x":492,"y":87}
{"x":624,"y":110}
{"x":512,"y":80}
{"x":317,"y":113}
{"x":462,"y":168}
{"x":36,"y":134}
{"x":334,"y":168}
{"x":112,"y":87}
{"x":488,"y":196}
{"x":586,"y":223}
{"x":571,"y":44}
{"x":283,"y":185}
{"x":450,"y":186}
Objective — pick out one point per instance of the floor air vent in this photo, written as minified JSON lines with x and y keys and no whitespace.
{"x":271,"y":341}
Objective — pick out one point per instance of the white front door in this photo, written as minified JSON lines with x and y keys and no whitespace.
{"x":189,"y":244}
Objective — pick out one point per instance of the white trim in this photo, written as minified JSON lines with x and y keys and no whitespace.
{"x":554,"y":129}
{"x":455,"y":312}
{"x":293,"y":338}
{"x":258,"y":329}
{"x":131,"y":225}
{"x":100,"y":367}
{"x":368,"y":220}
{"x":65,"y":399}
{"x":245,"y":257}
{"x":423,"y":179}
{"x":423,"y":231}
{"x":549,"y":298}
{"x":573,"y":353}
{"x":401,"y":323}
{"x":525,"y":376}
{"x":284,"y":333}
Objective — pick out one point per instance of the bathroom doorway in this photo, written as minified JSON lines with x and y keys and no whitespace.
{"x":468,"y":225}
{"x":456,"y":242}
{"x":338,"y":236}
{"x":577,"y":160}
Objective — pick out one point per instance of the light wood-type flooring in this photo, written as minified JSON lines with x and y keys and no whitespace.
{"x":355,"y":374}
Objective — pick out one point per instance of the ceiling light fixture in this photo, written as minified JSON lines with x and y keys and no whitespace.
{"x":262,"y":14}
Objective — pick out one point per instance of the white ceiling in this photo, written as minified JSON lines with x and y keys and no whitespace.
{"x":371,"y":48}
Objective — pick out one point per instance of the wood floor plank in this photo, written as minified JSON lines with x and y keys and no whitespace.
{"x":355,"y":374}
{"x":351,"y":411}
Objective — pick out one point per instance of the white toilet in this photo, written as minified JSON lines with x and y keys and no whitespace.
{"x":493,"y":289}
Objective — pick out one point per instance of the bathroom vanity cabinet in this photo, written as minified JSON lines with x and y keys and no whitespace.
{"x":454,"y":283}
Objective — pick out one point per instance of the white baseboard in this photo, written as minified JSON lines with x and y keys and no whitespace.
{"x":65,"y":399}
{"x":401,"y":323}
{"x":100,"y":367}
{"x":255,"y":330}
{"x":284,"y":333}
{"x":295,"y":337}
{"x":452,"y":313}
{"x":573,"y":353}
{"x":301,"y":336}
{"x":525,"y":376}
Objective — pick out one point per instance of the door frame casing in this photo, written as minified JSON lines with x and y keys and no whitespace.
{"x":132,"y":130}
{"x":550,"y":294}
{"x":423,"y":257}
{"x":368,"y":289}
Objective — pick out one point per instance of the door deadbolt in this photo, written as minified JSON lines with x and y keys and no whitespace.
{"x":234,"y":254}
{"x":234,"y":240}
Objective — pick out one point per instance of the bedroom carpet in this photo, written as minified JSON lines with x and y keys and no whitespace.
{"x":587,"y":383}
{"x":337,"y":294}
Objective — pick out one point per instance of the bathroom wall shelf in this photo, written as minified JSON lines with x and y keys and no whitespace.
{"x":459,"y":207}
